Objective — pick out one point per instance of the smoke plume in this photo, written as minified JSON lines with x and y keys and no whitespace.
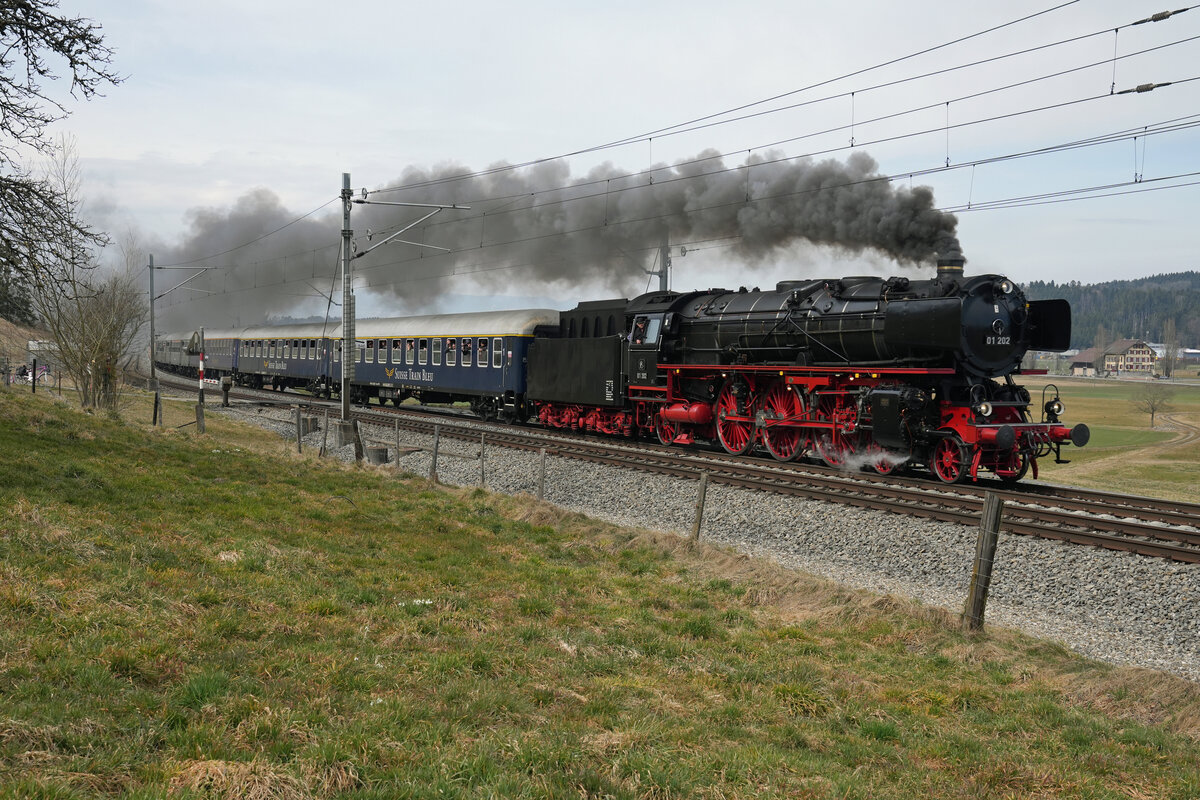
{"x":541,"y":229}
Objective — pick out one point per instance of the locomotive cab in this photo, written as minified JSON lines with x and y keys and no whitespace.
{"x":645,"y":339}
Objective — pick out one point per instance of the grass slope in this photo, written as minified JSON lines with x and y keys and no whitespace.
{"x":205,"y":616}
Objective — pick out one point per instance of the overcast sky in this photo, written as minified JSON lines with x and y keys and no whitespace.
{"x":238,"y":117}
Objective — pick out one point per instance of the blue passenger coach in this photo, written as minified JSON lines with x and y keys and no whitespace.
{"x":478,"y":358}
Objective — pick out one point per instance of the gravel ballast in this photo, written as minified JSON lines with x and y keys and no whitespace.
{"x":1113,"y":607}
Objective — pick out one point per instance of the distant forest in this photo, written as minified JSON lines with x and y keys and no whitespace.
{"x":1136,"y":309}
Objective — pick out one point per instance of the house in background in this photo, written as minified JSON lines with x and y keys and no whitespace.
{"x":1083,"y":363}
{"x":1129,"y":356}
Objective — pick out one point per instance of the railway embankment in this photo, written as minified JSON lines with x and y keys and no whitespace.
{"x":217,"y":614}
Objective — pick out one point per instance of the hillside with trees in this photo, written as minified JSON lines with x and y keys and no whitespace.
{"x":1143,"y":308}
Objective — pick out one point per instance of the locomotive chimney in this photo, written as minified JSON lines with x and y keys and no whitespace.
{"x":950,"y":264}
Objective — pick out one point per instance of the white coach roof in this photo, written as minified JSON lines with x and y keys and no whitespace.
{"x":482,"y":323}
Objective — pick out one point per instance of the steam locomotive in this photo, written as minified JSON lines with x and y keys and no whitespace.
{"x":857,"y":372}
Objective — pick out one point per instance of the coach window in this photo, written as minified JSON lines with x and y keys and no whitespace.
{"x":410,"y":348}
{"x":397,"y":351}
{"x":451,"y":352}
{"x":295,"y":348}
{"x":437,"y":351}
{"x":497,"y":353}
{"x":271,"y":349}
{"x":481,"y":352}
{"x":423,"y":355}
{"x":466,"y":352}
{"x":370,"y":351}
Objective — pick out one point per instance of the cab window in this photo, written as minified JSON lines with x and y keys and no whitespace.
{"x":653,"y":329}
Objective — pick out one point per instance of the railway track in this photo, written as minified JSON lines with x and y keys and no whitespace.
{"x":1144,"y":526}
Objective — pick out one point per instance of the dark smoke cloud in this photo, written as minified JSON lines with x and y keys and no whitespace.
{"x":606,"y":226}
{"x":540,"y":228}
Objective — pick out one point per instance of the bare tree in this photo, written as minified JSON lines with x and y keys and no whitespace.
{"x":34,"y":39}
{"x":1152,"y":398}
{"x":1101,"y":344}
{"x":1170,"y":348}
{"x":93,"y":319}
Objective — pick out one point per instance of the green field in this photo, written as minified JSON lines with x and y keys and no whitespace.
{"x":1125,"y":454}
{"x":215,"y":617}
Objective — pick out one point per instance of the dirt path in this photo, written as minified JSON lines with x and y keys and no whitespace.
{"x":1186,"y":433}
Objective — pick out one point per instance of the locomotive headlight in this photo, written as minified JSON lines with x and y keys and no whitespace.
{"x":1004,"y":287}
{"x":1055,"y":407}
{"x":984,"y":409}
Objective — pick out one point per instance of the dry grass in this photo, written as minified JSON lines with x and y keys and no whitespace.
{"x":185,"y":617}
{"x":237,"y":780}
{"x":1146,"y":696}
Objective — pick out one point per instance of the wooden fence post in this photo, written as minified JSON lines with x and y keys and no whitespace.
{"x":325,"y":435}
{"x":985,"y":556}
{"x":700,"y":506}
{"x":482,"y":459}
{"x":542,"y":479}
{"x":299,"y":433}
{"x":437,"y":434}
